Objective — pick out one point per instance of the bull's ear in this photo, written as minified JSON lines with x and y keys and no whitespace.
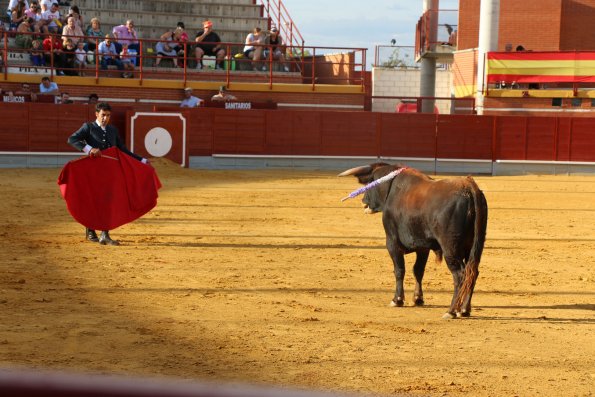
{"x":357,"y":171}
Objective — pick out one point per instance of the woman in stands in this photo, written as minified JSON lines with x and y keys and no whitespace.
{"x":94,"y":33}
{"x":76,"y":14}
{"x":18,"y":15}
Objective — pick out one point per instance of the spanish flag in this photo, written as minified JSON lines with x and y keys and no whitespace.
{"x":541,"y":67}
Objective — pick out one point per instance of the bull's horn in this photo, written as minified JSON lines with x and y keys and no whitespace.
{"x":364,"y":169}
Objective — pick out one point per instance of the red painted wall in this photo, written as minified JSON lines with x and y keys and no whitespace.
{"x":45,"y":127}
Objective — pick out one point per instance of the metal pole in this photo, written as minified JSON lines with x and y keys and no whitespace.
{"x":428,"y":63}
{"x":489,"y":16}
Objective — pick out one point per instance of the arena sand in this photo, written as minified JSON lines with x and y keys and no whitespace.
{"x":265,"y":277}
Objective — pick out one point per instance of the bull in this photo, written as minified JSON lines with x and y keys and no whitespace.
{"x":419,"y":214}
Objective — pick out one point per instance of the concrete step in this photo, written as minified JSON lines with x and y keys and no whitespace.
{"x":145,"y":23}
{"x":196,"y":10}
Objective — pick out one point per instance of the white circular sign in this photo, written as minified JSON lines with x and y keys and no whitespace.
{"x":158,"y":142}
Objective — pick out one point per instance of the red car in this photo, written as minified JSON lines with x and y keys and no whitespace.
{"x":408,"y":106}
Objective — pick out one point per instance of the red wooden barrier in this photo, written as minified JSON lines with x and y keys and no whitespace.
{"x":39,"y":127}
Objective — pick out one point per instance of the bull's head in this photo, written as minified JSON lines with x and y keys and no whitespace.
{"x":375,"y":198}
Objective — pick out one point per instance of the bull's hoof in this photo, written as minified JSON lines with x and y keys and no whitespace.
{"x":418,"y":301}
{"x":463,"y":314}
{"x":397,"y":303}
{"x":449,"y":316}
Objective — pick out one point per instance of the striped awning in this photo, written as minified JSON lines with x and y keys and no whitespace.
{"x":541,"y":67}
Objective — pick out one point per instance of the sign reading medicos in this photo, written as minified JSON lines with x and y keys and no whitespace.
{"x":159,"y":135}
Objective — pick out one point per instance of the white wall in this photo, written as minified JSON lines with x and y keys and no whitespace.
{"x":406,"y":82}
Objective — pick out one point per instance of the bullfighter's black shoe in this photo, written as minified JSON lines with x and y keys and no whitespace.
{"x":105,"y":239}
{"x":91,"y":235}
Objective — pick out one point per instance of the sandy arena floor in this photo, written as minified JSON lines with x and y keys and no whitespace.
{"x":266,"y":277}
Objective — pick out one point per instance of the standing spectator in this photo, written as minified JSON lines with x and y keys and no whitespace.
{"x":95,"y":34}
{"x":277,"y":48}
{"x":126,"y":34}
{"x":208,"y":42}
{"x":72,"y":31}
{"x":223,"y":95}
{"x":253,"y":48}
{"x":92,"y":138}
{"x":48,"y":87}
{"x":128,"y":57}
{"x":190,"y":101}
{"x":108,"y":53}
{"x":24,"y":36}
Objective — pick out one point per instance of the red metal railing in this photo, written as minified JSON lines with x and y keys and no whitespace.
{"x":279,"y":17}
{"x":307,"y":64}
{"x":436,"y":28}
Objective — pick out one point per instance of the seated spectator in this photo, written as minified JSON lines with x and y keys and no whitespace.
{"x":53,"y":21}
{"x":53,"y":53}
{"x":108,"y":54}
{"x":36,"y":53}
{"x":80,"y":58}
{"x":208,"y":42}
{"x":24,"y":36}
{"x":126,"y":34}
{"x":48,"y":87}
{"x":190,"y":101}
{"x":26,"y":91}
{"x":170,"y":44}
{"x":18,"y":14}
{"x":94,"y":33}
{"x":277,"y":48}
{"x":93,"y":99}
{"x":45,"y":4}
{"x":253,"y":48}
{"x":182,"y":45}
{"x":34,"y":12}
{"x":128,"y":58}
{"x":65,"y":98}
{"x":223,"y":95}
{"x":12,"y":4}
{"x":76,"y":14}
{"x":72,"y":31}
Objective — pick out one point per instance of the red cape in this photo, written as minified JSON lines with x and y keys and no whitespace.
{"x":106,"y":192}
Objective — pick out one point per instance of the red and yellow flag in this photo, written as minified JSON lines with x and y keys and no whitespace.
{"x":541,"y":67}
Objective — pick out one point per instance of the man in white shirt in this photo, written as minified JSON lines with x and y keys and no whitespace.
{"x":53,"y":19}
{"x":190,"y":101}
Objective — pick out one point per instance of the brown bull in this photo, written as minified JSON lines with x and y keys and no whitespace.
{"x":420,"y":214}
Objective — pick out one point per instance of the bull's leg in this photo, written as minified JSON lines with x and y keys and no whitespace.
{"x":466,"y":305}
{"x":399,"y":268}
{"x":418,"y":270}
{"x":457,"y":269}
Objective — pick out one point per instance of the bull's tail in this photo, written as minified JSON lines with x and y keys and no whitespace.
{"x":480,"y":226}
